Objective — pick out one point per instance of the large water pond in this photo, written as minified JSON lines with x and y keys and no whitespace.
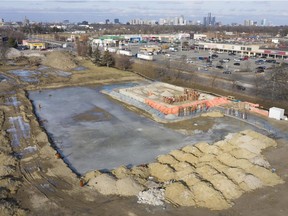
{"x":94,"y":132}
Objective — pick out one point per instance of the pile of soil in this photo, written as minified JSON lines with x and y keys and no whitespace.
{"x":13,"y":53}
{"x":202,"y":175}
{"x":60,"y":60}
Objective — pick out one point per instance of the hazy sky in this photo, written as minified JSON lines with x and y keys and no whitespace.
{"x":99,"y":10}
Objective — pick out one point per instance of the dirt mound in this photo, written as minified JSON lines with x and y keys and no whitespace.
{"x":13,"y":53}
{"x":178,"y":194}
{"x":128,"y":187}
{"x":60,"y":60}
{"x":203,"y":175}
{"x":108,"y":185}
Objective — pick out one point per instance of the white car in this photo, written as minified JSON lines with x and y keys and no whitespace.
{"x":237,"y":60}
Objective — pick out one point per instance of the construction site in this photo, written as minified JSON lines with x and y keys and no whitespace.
{"x":78,"y":139}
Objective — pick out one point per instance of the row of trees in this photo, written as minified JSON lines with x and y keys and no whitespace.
{"x":101,"y":59}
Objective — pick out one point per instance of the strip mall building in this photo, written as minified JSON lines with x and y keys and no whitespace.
{"x":248,"y":49}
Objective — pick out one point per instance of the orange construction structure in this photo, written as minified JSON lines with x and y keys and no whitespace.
{"x":187,"y":108}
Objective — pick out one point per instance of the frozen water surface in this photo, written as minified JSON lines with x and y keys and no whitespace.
{"x":26,"y":75}
{"x":93,"y":132}
{"x":19,"y":129}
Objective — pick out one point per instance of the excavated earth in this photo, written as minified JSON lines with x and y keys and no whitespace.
{"x":244,"y":174}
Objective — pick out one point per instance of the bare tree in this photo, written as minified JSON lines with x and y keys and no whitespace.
{"x":122,"y":62}
{"x":3,"y":53}
{"x":276,"y":85}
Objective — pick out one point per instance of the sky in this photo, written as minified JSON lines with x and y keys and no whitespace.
{"x":100,"y":10}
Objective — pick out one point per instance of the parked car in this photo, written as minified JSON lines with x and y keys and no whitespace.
{"x":271,"y":61}
{"x":227,"y":72}
{"x":237,"y":60}
{"x":239,"y":87}
{"x":259,"y":71}
{"x":219,"y":67}
{"x":261,"y":67}
{"x":237,"y":63}
{"x":260,"y":61}
{"x":226,"y":60}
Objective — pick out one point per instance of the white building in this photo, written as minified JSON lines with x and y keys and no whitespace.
{"x":199,"y":36}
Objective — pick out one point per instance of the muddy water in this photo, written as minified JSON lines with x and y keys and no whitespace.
{"x":93,"y":132}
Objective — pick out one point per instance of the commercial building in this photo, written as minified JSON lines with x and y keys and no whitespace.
{"x":243,"y":49}
{"x":35,"y":44}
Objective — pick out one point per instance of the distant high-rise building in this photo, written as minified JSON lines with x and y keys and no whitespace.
{"x":26,"y":21}
{"x":1,"y":22}
{"x":66,"y":22}
{"x":248,"y":23}
{"x":176,"y":21}
{"x":209,"y":20}
{"x":263,"y":22}
{"x":162,"y":21}
{"x":116,"y":21}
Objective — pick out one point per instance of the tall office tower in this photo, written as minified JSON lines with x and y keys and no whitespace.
{"x":26,"y":21}
{"x":249,"y":23}
{"x":116,"y":21}
{"x":209,"y":20}
{"x":263,"y":22}
{"x":205,"y":21}
{"x":182,"y":21}
{"x":213,"y":21}
{"x":176,"y":21}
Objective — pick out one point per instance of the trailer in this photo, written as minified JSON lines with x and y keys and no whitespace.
{"x":125,"y":52}
{"x":145,"y":57}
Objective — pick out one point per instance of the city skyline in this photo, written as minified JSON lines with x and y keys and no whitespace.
{"x":226,"y":12}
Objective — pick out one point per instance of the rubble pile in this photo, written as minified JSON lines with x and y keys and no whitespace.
{"x":202,"y":175}
{"x":152,"y":196}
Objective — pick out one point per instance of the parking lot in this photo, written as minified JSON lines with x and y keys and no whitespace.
{"x":230,"y":67}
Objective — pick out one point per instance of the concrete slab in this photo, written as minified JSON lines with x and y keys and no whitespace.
{"x":93,"y":132}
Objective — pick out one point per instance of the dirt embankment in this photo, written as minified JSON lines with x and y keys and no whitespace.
{"x":10,"y":179}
